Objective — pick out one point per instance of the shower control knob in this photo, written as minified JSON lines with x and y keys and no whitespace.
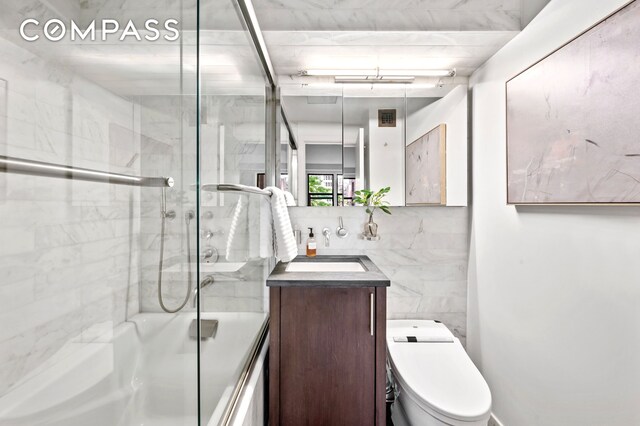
{"x":209,"y":255}
{"x":207,"y":234}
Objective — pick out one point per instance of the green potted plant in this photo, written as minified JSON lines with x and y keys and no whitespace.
{"x":372,"y":200}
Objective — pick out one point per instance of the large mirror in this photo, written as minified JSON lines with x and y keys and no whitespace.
{"x":337,"y":140}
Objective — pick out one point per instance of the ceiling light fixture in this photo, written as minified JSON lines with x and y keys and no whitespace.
{"x":333,"y":86}
{"x":373,"y":79}
{"x":379,"y":73}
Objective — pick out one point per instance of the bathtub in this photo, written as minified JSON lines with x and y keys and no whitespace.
{"x":143,"y":372}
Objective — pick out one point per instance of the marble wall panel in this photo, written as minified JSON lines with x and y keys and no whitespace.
{"x":68,"y":250}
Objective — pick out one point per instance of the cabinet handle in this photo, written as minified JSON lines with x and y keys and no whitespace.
{"x":372,"y":311}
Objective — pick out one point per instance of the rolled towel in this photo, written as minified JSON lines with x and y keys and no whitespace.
{"x":237,"y":249}
{"x":289,"y":198}
{"x":285,"y":242}
{"x":266,"y":228}
{"x":261,"y":229}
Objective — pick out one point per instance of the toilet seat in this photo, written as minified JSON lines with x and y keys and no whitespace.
{"x":439,"y":377}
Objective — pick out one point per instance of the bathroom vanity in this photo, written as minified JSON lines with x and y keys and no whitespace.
{"x":327,"y":342}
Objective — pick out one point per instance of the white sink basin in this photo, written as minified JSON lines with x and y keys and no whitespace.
{"x":325,"y":267}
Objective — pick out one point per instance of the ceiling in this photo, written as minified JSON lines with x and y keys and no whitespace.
{"x":340,"y":34}
{"x":400,"y":34}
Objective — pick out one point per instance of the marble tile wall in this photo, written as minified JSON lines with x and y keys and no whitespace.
{"x":423,"y":250}
{"x":166,"y":150}
{"x":242,"y":119}
{"x":68,"y":249}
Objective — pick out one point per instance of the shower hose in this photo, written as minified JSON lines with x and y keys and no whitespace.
{"x":187,"y":218}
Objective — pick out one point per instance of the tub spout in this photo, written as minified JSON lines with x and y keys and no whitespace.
{"x":206,"y":281}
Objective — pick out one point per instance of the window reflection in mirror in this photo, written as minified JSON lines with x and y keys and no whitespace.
{"x":341,"y":139}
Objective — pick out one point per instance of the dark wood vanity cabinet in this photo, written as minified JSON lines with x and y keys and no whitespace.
{"x":327,"y":354}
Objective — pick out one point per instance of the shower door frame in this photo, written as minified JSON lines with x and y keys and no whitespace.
{"x":273,"y":114}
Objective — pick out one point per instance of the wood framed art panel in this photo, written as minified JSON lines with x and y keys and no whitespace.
{"x":571,"y":125}
{"x":425,"y":169}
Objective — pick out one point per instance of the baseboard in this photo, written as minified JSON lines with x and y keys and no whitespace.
{"x":493,"y":421}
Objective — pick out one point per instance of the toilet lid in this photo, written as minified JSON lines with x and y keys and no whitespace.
{"x":440,"y":377}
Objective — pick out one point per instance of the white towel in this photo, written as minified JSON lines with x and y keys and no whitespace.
{"x":237,"y":249}
{"x":289,"y":198}
{"x":285,"y":242}
{"x":260,"y":227}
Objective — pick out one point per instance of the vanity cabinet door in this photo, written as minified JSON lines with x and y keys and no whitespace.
{"x":327,"y":356}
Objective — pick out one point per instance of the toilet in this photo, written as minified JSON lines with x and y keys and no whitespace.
{"x":435,"y":382}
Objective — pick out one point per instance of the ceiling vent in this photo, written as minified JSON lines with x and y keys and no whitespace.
{"x":386,"y":118}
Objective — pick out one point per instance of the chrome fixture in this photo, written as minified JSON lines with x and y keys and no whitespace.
{"x":341,"y":231}
{"x":248,"y":15}
{"x":189,"y":215}
{"x":207,"y":233}
{"x":232,"y":187}
{"x":249,"y":363}
{"x":210,"y":255}
{"x":206,"y":282}
{"x":327,"y":234}
{"x":166,"y":214}
{"x":39,"y":168}
{"x":208,"y":215}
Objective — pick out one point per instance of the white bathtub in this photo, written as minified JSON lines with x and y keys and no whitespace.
{"x":141,"y":373}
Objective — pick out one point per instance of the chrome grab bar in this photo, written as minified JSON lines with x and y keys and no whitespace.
{"x":247,"y":368}
{"x":40,"y":168}
{"x":234,"y":187}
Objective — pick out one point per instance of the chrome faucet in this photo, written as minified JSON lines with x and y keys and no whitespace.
{"x":341,"y":231}
{"x":327,"y":233}
{"x":206,"y":282}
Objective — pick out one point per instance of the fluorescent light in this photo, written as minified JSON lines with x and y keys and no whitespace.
{"x":380,"y":72}
{"x":375,"y":80}
{"x":292,"y":89}
{"x":419,"y":73}
{"x":331,"y":73}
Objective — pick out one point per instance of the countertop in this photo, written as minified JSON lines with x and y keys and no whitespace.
{"x":372,"y":277}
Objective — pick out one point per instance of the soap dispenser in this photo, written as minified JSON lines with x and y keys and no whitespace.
{"x":311,"y":244}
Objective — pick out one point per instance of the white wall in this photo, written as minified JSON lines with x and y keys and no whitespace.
{"x":554,"y":292}
{"x":451,"y":110}
{"x":386,"y":153}
{"x":529,"y":9}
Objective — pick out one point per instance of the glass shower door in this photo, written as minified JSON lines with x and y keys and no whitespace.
{"x":95,"y":97}
{"x":236,"y":246}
